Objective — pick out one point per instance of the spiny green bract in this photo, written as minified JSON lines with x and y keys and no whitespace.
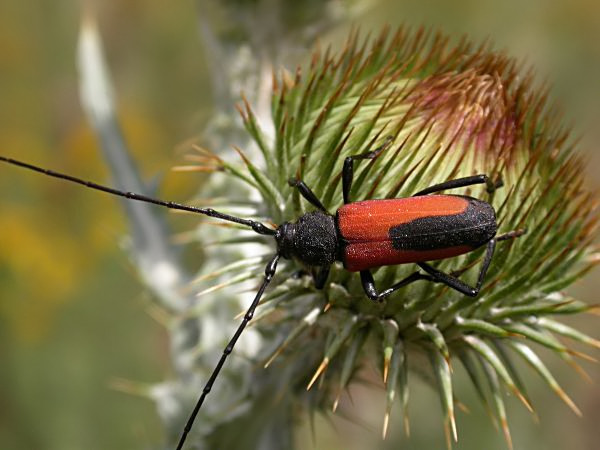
{"x":452,"y":111}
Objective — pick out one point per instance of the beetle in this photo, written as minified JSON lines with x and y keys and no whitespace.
{"x":361,"y":235}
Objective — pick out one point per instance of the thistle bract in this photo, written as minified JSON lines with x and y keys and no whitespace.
{"x":451,"y":110}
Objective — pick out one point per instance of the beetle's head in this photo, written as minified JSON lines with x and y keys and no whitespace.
{"x":312,"y":239}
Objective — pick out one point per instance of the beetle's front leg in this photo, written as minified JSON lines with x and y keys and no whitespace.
{"x":348,"y":170}
{"x":307,"y":193}
{"x":320,"y":275}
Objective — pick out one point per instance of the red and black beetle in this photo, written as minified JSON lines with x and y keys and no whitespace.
{"x":374,"y":233}
{"x":362,"y":235}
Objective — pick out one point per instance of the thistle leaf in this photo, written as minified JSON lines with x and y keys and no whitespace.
{"x":443,"y":374}
{"x":351,"y":361}
{"x":498,"y":400}
{"x":536,"y":363}
{"x":486,"y":352}
{"x":567,"y":331}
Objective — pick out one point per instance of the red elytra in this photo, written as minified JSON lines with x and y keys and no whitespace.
{"x":365,"y":228}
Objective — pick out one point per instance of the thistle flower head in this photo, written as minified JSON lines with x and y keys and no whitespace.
{"x":446,"y":110}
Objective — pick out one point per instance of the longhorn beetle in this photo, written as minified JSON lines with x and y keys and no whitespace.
{"x":362,"y":235}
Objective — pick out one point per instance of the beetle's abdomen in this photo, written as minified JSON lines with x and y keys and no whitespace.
{"x":405,"y":230}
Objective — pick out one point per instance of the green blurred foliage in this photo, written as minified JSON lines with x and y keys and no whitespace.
{"x":72,"y":314}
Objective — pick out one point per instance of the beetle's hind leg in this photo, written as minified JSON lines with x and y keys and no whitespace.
{"x":454,"y":282}
{"x":491,"y":185}
{"x":437,"y":276}
{"x":511,"y":235}
{"x":307,"y":193}
{"x":368,"y":284}
{"x":434,"y":275}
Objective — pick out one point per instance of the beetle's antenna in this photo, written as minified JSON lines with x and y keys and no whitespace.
{"x":269,"y":273}
{"x":256,"y":226}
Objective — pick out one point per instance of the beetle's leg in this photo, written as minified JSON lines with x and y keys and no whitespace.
{"x":348,"y":170}
{"x":307,"y":193}
{"x":454,"y":282}
{"x":511,"y":235}
{"x":462,"y":182}
{"x":320,"y":275}
{"x":269,"y":273}
{"x":368,"y":284}
{"x":296,"y":275}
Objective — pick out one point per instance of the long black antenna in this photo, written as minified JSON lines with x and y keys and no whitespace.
{"x":256,"y":226}
{"x":269,"y":273}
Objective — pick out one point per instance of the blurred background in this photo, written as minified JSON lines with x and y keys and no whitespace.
{"x":74,"y":317}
